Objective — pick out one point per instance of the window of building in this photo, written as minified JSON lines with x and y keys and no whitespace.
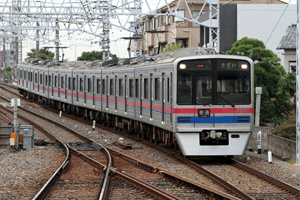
{"x":195,"y":15}
{"x":293,"y":65}
{"x":157,"y":89}
{"x":180,"y":14}
{"x":121,"y":87}
{"x":164,"y":20}
{"x":146,"y":88}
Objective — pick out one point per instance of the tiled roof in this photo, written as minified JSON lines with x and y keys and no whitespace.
{"x":288,"y":41}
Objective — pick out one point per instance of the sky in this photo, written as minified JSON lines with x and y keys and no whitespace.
{"x":80,"y":42}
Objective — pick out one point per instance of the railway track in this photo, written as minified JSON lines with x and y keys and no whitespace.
{"x":120,"y":176}
{"x":291,"y":190}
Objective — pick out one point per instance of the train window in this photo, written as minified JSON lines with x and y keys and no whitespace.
{"x":121,"y":87}
{"x":184,"y":90}
{"x":204,"y":90}
{"x":62,"y":82}
{"x":98,"y":86}
{"x":31,"y":76}
{"x":46,"y":80}
{"x":146,"y":88}
{"x":21,"y":74}
{"x":157,"y":89}
{"x":111,"y":84}
{"x":41,"y":78}
{"x":74,"y":84}
{"x":168,"y":89}
{"x":69,"y":83}
{"x":55,"y":81}
{"x":24,"y":74}
{"x":137,"y":88}
{"x":131,"y":88}
{"x":103,"y":86}
{"x":49,"y":80}
{"x":89,"y":85}
{"x":35,"y":76}
{"x":80,"y":84}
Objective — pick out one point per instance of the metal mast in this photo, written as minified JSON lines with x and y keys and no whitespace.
{"x":298,"y":89}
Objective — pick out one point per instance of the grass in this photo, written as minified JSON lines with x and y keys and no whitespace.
{"x":290,"y":161}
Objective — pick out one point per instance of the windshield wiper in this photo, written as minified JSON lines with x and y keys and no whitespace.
{"x":226,"y":100}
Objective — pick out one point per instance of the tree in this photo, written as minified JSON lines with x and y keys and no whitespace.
{"x":94,"y":55}
{"x":171,"y":47}
{"x":42,"y":54}
{"x":269,"y":75}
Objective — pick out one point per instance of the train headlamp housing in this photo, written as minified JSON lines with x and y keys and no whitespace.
{"x":244,"y":66}
{"x":182,"y":66}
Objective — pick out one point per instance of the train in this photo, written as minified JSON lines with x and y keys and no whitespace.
{"x":201,"y":104}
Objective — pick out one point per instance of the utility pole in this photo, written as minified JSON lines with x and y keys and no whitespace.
{"x":4,"y":60}
{"x":298,"y":90}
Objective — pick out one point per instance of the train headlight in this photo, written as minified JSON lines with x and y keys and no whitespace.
{"x":182,"y":66}
{"x":244,"y":66}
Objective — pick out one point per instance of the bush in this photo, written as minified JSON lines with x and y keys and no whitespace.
{"x":288,"y":132}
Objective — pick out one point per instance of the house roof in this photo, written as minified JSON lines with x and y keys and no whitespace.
{"x":288,"y":41}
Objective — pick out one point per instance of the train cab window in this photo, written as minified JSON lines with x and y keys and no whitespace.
{"x":80,"y":84}
{"x":98,"y":86}
{"x":69,"y":83}
{"x":89,"y":85}
{"x":103,"y":86}
{"x":111,"y":84}
{"x":136,"y":88}
{"x":203,"y":90}
{"x":157,"y":89}
{"x":55,"y":81}
{"x":184,"y":90}
{"x":50,"y":80}
{"x":131,"y":88}
{"x":121,"y":87}
{"x":146,"y":88}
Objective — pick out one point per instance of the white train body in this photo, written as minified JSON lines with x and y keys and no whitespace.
{"x":206,"y":102}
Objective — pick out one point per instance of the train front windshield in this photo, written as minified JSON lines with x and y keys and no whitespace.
{"x":215,"y":81}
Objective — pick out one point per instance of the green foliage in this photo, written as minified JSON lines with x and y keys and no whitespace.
{"x":289,"y":131}
{"x":171,"y":47}
{"x":42,"y":54}
{"x":94,"y":55}
{"x":277,"y":86}
{"x":290,"y":161}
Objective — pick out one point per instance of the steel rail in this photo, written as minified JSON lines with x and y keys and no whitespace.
{"x":268,"y":178}
{"x":46,"y":187}
{"x":56,"y":175}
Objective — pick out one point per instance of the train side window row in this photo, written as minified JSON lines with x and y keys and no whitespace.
{"x":134,"y":85}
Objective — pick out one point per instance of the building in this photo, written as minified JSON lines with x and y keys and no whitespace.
{"x":288,"y":44}
{"x":8,"y":58}
{"x":187,"y":34}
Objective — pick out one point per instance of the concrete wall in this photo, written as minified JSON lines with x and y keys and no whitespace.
{"x":279,"y":146}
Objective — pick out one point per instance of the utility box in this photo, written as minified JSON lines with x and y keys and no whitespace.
{"x":28,"y":136}
{"x":5,"y":131}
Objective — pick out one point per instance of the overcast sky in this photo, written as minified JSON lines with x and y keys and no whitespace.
{"x":82,"y":42}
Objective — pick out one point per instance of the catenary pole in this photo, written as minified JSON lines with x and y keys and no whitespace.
{"x":298,"y":90}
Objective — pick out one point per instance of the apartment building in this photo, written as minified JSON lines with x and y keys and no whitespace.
{"x":173,"y":30}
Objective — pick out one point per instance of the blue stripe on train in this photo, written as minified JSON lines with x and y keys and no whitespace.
{"x":214,"y":119}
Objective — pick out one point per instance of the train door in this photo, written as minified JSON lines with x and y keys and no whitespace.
{"x":171,"y":99}
{"x":202,"y":88}
{"x":93,"y":90}
{"x":125,"y":95}
{"x":163,"y":98}
{"x":141,"y":95}
{"x":58,"y":86}
{"x":84,"y":88}
{"x":151,"y":97}
{"x":28,"y":78}
{"x":77,"y":88}
{"x":116,"y":101}
{"x":66,"y":86}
